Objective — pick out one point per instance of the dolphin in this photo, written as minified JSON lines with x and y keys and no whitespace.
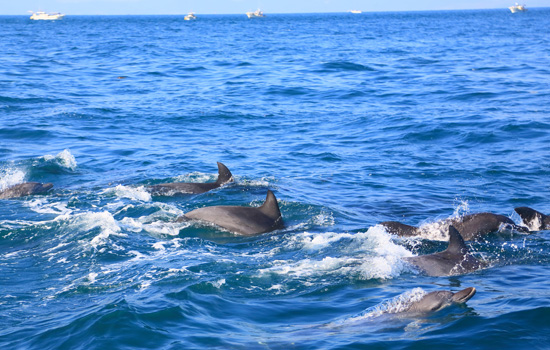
{"x":25,"y":189}
{"x":179,"y":188}
{"x":455,"y":260}
{"x":435,"y":301}
{"x":246,"y":221}
{"x":535,"y":220}
{"x":470,"y":226}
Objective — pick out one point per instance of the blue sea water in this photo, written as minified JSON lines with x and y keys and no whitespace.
{"x":350,"y":119}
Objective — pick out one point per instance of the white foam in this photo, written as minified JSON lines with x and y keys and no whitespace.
{"x":90,"y":220}
{"x":218,"y":283}
{"x":43,"y":206}
{"x":64,"y":159}
{"x":195,"y":177}
{"x":263,"y":182}
{"x":92,"y":277}
{"x":10,"y":177}
{"x":155,"y":224}
{"x":367,"y":255}
{"x":317,"y":241}
{"x":134,"y":193}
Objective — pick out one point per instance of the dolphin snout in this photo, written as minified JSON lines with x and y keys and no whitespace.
{"x":464,"y":295}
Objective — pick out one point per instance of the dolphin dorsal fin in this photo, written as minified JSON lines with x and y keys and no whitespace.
{"x":456,"y":242}
{"x":270,"y":206}
{"x":224,"y":175}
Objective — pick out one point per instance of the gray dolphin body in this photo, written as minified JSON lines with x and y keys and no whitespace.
{"x":455,"y":260}
{"x":179,"y":188}
{"x":470,"y":226}
{"x":535,"y":220}
{"x":25,"y":189}
{"x":246,"y":221}
{"x":435,"y":301}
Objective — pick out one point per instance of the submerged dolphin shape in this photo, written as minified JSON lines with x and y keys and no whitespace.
{"x":455,"y":260}
{"x":178,"y":188}
{"x":246,"y":221}
{"x":25,"y":189}
{"x":535,"y":220}
{"x":435,"y":301}
{"x":470,"y":226}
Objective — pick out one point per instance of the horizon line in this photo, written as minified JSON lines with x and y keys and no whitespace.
{"x":273,"y":13}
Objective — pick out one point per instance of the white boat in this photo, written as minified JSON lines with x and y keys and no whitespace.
{"x":190,"y":17}
{"x":256,"y":14}
{"x":356,"y":11}
{"x":517,"y":8}
{"x":46,"y":16}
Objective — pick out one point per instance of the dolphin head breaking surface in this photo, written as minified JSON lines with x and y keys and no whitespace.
{"x":179,"y":188}
{"x":438,"y":300}
{"x":455,"y":260}
{"x":246,"y":221}
{"x":533,"y":219}
{"x":25,"y":189}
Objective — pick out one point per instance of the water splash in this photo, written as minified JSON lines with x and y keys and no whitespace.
{"x":63,"y":159}
{"x":10,"y":177}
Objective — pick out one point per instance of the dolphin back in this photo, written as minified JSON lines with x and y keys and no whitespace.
{"x":397,"y":228}
{"x":25,"y":189}
{"x":246,"y":221}
{"x":455,"y":260}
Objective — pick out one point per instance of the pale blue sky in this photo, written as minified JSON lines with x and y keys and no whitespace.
{"x":153,"y":7}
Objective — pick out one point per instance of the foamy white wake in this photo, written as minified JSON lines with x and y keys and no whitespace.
{"x":364,"y":255}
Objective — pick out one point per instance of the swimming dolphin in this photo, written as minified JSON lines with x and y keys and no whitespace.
{"x":455,"y":260}
{"x":247,"y":221}
{"x":25,"y":189}
{"x":535,"y":220}
{"x":179,"y":188}
{"x":470,"y":226}
{"x":435,"y":301}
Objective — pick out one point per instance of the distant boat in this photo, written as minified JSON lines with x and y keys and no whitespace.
{"x":190,"y":17}
{"x":256,"y":14}
{"x":517,"y":8}
{"x":356,"y":11}
{"x":46,"y":16}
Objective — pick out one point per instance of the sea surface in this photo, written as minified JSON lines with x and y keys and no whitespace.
{"x":350,"y":120}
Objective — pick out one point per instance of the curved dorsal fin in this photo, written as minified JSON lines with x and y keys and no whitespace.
{"x":224,"y":175}
{"x":456,"y":242}
{"x":270,"y":206}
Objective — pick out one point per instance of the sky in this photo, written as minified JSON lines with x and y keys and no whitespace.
{"x":168,"y":7}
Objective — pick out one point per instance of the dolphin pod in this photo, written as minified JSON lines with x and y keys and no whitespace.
{"x":455,"y":260}
{"x":535,"y":220}
{"x":435,"y":301}
{"x":247,"y":221}
{"x":25,"y":189}
{"x":179,"y":188}
{"x":470,"y":226}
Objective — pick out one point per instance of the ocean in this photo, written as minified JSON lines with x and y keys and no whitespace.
{"x":350,"y":119}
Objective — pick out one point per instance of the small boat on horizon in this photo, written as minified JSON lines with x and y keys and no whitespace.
{"x":356,"y":11}
{"x":190,"y":17}
{"x":256,"y":14}
{"x":517,"y":8}
{"x":41,"y":15}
